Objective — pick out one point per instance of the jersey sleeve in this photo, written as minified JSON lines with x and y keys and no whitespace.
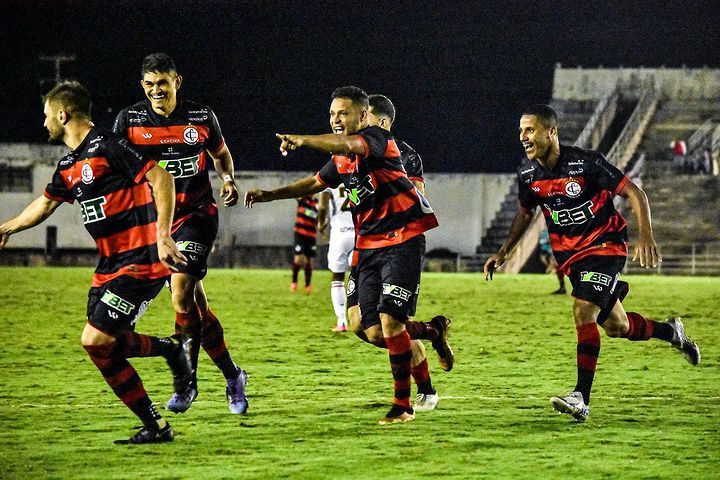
{"x":606,"y":175}
{"x":57,"y":189}
{"x":124,"y":158}
{"x":215,"y":139}
{"x":376,"y":142}
{"x":525,"y":196}
{"x":328,"y":175}
{"x":413,"y":166}
{"x":120,"y":124}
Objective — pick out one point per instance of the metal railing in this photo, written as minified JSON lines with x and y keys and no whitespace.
{"x":606,"y":106}
{"x":702,"y":260}
{"x":628,"y":140}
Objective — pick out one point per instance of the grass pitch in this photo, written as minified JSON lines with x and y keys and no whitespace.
{"x":315,"y":396}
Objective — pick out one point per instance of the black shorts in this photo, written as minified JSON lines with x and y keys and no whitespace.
{"x":194,"y":238}
{"x":304,"y":245}
{"x":594,"y":278}
{"x":117,"y":305}
{"x":388,"y":281}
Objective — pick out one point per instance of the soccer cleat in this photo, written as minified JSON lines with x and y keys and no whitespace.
{"x":682,"y":342}
{"x":309,"y":289}
{"x":424,"y":402}
{"x":560,"y":291}
{"x":149,"y":435}
{"x":235,"y":391}
{"x":440,"y":344}
{"x":179,"y":363}
{"x":572,"y":404}
{"x":293,"y":287}
{"x":397,"y":415}
{"x":339,"y":328}
{"x":180,"y":402}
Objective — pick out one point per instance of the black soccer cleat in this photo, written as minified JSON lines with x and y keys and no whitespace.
{"x":149,"y":435}
{"x":447,"y":358}
{"x":179,"y":363}
{"x":682,"y":342}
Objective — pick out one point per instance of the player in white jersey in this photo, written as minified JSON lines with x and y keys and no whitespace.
{"x":335,"y":210}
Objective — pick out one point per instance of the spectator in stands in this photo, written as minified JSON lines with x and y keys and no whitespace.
{"x":679,"y":151}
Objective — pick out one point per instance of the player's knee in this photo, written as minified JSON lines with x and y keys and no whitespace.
{"x":375,"y":336}
{"x":614,"y":327}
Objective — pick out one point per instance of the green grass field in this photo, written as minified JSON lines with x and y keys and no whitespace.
{"x":315,"y":396}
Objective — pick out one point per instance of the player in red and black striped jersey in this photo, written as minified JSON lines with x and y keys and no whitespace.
{"x":390,"y":218}
{"x":574,"y":189}
{"x":304,"y":246}
{"x":184,"y":137}
{"x":132,"y":232}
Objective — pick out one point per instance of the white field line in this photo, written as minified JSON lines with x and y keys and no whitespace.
{"x":362,"y":400}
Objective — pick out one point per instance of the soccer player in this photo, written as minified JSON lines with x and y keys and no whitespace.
{"x":574,"y":189}
{"x":183,"y":137}
{"x":304,"y":247}
{"x":334,"y":210}
{"x":111,"y":182}
{"x":391,"y":217}
{"x":381,"y":113}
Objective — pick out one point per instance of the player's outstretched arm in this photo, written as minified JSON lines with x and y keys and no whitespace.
{"x":327,"y":143}
{"x":303,"y":187}
{"x":646,"y":250}
{"x":34,"y":214}
{"x":163,"y":185}
{"x":224,"y":167}
{"x":520,"y":224}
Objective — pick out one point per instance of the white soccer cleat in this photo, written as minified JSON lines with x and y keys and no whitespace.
{"x":424,"y":402}
{"x":572,"y":404}
{"x":682,"y":342}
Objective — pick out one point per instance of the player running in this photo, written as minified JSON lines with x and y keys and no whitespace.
{"x":391,"y":217}
{"x":183,"y":137}
{"x":305,"y":241}
{"x":111,"y":182}
{"x":335,"y":211}
{"x":574,"y":189}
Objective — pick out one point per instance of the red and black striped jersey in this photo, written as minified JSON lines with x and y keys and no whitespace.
{"x":107,"y":178}
{"x":411,"y":162}
{"x":306,"y":219}
{"x":180,"y":144}
{"x":388,"y":209}
{"x":576,"y":198}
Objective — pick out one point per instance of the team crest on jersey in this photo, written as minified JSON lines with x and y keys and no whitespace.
{"x":87,"y":174}
{"x":572,"y":189}
{"x":191,"y":135}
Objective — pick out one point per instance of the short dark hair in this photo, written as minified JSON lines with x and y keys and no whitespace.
{"x":545,"y":113}
{"x":356,"y":94}
{"x":382,"y":106}
{"x":158,"y":62}
{"x":72,"y":97}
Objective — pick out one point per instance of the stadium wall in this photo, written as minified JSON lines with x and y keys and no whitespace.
{"x":674,"y":83}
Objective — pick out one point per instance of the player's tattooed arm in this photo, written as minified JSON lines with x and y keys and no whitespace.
{"x":520,"y":224}
{"x":327,"y":143}
{"x":646,"y":250}
{"x":34,"y":214}
{"x":306,"y":186}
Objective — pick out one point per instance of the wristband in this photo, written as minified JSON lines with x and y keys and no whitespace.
{"x":228,"y":178}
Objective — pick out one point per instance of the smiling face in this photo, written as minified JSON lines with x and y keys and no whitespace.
{"x":345,"y":117}
{"x":537,"y":139}
{"x":161,"y":89}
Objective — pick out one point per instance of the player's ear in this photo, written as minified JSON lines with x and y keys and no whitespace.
{"x":363,"y":115}
{"x":63,"y":116}
{"x":178,"y":81}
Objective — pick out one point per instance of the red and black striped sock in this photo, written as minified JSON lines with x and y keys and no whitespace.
{"x":642,"y":329}
{"x":400,"y":352}
{"x":588,"y":350}
{"x":421,"y":375}
{"x":308,"y":272}
{"x":124,"y":380}
{"x":213,"y":342}
{"x":421,"y":330}
{"x":295,"y":270}
{"x":131,"y":344}
{"x":190,"y":324}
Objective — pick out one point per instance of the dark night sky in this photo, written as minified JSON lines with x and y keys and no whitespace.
{"x":458,"y":72}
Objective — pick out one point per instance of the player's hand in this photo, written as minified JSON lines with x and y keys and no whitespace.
{"x":492,"y":264}
{"x":289,"y":142}
{"x":256,"y":196}
{"x":4,"y":236}
{"x":647,"y":251}
{"x":169,"y":254}
{"x":229,"y":193}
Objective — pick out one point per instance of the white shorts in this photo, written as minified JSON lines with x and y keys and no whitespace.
{"x":340,"y":252}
